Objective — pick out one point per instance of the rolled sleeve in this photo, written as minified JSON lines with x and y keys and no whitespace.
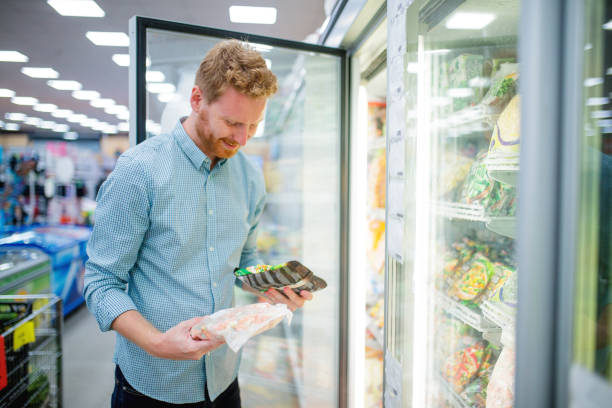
{"x":121,"y":221}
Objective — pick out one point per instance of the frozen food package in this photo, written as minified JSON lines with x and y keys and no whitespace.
{"x":238,"y":324}
{"x":506,"y":135}
{"x":504,"y":86}
{"x":500,"y":391}
{"x":475,"y":279}
{"x":290,"y":274}
{"x":464,"y":365}
{"x":461,"y":70}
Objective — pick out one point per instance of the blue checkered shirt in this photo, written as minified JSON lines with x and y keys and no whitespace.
{"x":168,"y":234}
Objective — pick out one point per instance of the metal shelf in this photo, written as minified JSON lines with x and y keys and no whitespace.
{"x":468,"y":316}
{"x":452,"y":396}
{"x":503,"y":167}
{"x":501,"y":317}
{"x":505,"y":226}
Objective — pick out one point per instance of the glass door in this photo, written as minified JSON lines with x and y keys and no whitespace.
{"x":591,"y":372}
{"x":300,"y":148}
{"x":454,"y":308}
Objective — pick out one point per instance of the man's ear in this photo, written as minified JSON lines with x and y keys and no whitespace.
{"x":197,"y":99}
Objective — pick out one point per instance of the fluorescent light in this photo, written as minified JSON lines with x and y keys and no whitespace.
{"x":15,"y":116}
{"x":71,"y":135}
{"x":115,"y":109}
{"x":44,"y":107}
{"x":593,"y":81}
{"x":166,"y":97}
{"x":34,"y":72}
{"x":13,"y":56}
{"x":102,"y":102}
{"x":76,"y":8}
{"x":85,"y":95}
{"x":61,"y":128}
{"x":260,"y":47}
{"x":123,"y":60}
{"x":61,"y":113}
{"x":600,"y":114}
{"x":155,"y":76}
{"x":47,"y":124}
{"x":12,"y":126}
{"x":469,"y":21}
{"x":609,"y":71}
{"x":112,"y":39}
{"x":597,"y":101}
{"x":607,"y":26}
{"x":252,"y":15}
{"x":32,"y":121}
{"x":123,"y":127}
{"x":604,"y":123}
{"x":6,"y":93}
{"x":109,"y":129}
{"x":76,"y":118}
{"x":89,"y":122}
{"x":161,"y":87}
{"x":24,"y":100}
{"x":1,"y":124}
{"x":64,"y":85}
{"x":123,"y":115}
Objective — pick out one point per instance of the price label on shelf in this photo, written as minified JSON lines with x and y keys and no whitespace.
{"x":23,"y":335}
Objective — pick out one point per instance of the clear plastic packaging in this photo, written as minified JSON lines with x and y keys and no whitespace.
{"x":237,"y":325}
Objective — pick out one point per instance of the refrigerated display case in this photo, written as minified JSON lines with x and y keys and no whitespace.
{"x":301,"y":148}
{"x":452,"y":264}
{"x":24,"y":271}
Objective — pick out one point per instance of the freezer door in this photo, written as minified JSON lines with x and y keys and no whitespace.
{"x":300,"y":148}
{"x":454,"y":118}
{"x":590,"y":378}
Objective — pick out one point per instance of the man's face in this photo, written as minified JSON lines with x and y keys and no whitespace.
{"x":226,"y":124}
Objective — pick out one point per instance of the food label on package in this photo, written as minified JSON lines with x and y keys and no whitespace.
{"x":23,"y":335}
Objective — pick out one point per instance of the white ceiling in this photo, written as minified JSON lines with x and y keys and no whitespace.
{"x":35,"y":29}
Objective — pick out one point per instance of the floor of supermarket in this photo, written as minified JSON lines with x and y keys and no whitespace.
{"x":87,"y":362}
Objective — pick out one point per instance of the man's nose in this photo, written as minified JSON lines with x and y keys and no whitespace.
{"x":241,"y":135}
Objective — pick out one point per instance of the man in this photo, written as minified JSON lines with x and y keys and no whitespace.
{"x":174,"y":219}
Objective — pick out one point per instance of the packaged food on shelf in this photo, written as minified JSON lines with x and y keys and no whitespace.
{"x":500,"y":391}
{"x":465,"y":365}
{"x":453,"y":172}
{"x":289,"y":274}
{"x":461,"y":70}
{"x":237,"y":325}
{"x":475,"y":279}
{"x":507,"y":131}
{"x":504,"y":86}
{"x":377,"y":175}
{"x":376,"y":245}
{"x":377,"y":118}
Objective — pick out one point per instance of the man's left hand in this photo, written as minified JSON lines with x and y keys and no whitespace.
{"x":288,"y":297}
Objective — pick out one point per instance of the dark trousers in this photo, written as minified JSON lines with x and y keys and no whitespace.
{"x":124,"y":396}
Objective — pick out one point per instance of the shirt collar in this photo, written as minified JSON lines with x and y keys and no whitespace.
{"x":193,"y":152}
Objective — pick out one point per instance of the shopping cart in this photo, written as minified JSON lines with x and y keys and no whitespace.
{"x":30,"y":351}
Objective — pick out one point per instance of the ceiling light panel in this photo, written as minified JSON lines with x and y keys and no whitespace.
{"x":102,"y":102}
{"x":32,"y":121}
{"x":160,"y":87}
{"x":6,"y":93}
{"x":12,"y":126}
{"x":13,"y":56}
{"x":109,"y":39}
{"x":86,"y":95}
{"x":123,"y":60}
{"x":24,"y":100}
{"x":166,"y":97}
{"x":76,"y":118}
{"x":65,"y":85}
{"x":252,"y":15}
{"x":469,"y":21}
{"x":61,"y":113}
{"x":155,"y":76}
{"x":61,"y":128}
{"x":44,"y":107}
{"x":115,"y":109}
{"x":76,"y":8}
{"x":35,"y":72}
{"x":47,"y":124}
{"x":15,"y":116}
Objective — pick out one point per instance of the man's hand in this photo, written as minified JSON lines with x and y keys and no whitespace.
{"x":288,"y":297}
{"x":174,"y":344}
{"x":177,"y":343}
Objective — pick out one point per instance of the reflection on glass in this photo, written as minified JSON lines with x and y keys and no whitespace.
{"x":298,"y":149}
{"x":462,"y":65}
{"x":593,"y":282}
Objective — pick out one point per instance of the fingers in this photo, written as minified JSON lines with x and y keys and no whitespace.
{"x":288,"y":297}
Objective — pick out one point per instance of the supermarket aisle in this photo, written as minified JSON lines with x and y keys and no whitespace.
{"x":88,"y":367}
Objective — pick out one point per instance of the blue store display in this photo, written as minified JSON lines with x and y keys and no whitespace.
{"x":66,"y":246}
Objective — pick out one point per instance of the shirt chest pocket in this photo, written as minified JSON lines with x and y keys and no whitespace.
{"x":233,"y":229}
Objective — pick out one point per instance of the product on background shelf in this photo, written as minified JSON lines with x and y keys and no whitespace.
{"x":497,"y":198}
{"x":377,"y":118}
{"x":461,"y":70}
{"x":506,"y":294}
{"x":500,"y":391}
{"x":376,"y":245}
{"x":465,"y":365}
{"x":289,"y":274}
{"x":377,"y":181}
{"x":504,"y":85}
{"x":454,"y":170}
{"x":507,"y":132}
{"x":498,"y":279}
{"x":237,"y":325}
{"x":475,"y":279}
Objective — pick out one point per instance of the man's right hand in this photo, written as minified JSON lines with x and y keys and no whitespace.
{"x":174,"y":344}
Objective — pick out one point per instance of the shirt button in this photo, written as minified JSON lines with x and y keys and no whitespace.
{"x":211,"y":249}
{"x":210,"y":212}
